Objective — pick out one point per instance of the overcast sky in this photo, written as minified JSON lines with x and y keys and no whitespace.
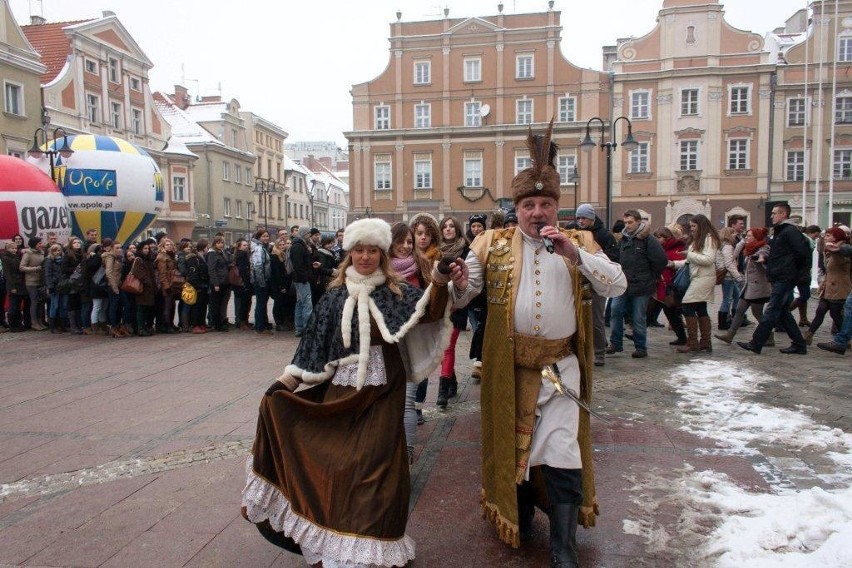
{"x":294,"y":62}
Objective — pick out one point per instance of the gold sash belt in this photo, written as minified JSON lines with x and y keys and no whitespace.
{"x":536,"y":352}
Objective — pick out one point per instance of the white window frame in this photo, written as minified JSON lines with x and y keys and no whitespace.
{"x":248,"y":180}
{"x":381,"y":117}
{"x":136,"y":123}
{"x":689,"y":101}
{"x":843,"y":109}
{"x":639,"y":159}
{"x":422,"y":171}
{"x":525,"y":66}
{"x":567,"y":109}
{"x":640,"y":104}
{"x":239,"y":211}
{"x":842,"y":157}
{"x":472,"y":69}
{"x":567,"y":165}
{"x":795,"y":163}
{"x":227,"y":207}
{"x":250,"y":210}
{"x":844,"y":48}
{"x":179,"y":193}
{"x":115,"y":115}
{"x":524,"y":115}
{"x":522,"y":160}
{"x":688,"y":155}
{"x":738,"y":153}
{"x":472,"y":168}
{"x":739,"y":105}
{"x":93,"y":107}
{"x":114,"y":74}
{"x":136,"y":84}
{"x":423,"y":115}
{"x":226,"y":171}
{"x":383,"y":172}
{"x":473,"y":114}
{"x":238,"y":174}
{"x":422,"y":72}
{"x":13,"y":98}
{"x":91,"y":66}
{"x":797,"y":116}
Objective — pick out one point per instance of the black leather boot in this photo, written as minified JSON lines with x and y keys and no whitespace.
{"x":443,"y":389}
{"x":454,"y":387}
{"x":724,"y":323}
{"x":563,"y":535}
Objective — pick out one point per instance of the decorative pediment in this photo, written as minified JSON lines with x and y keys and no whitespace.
{"x":689,"y":134}
{"x":739,"y":132}
{"x":111,"y":31}
{"x":795,"y":143}
{"x":474,"y":26}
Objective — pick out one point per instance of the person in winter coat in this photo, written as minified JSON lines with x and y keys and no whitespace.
{"x":197,"y":275}
{"x":673,"y":246}
{"x":242,"y":294}
{"x":31,"y":265}
{"x":325,"y":266}
{"x":18,"y":309}
{"x":112,"y":259}
{"x":279,"y":282}
{"x":166,"y":265}
{"x":143,"y":269}
{"x":840,"y":341}
{"x":755,"y":287}
{"x":727,"y":259}
{"x":835,"y":287}
{"x":642,"y":260}
{"x":789,"y":258}
{"x":260,"y":280}
{"x":74,"y":256}
{"x":453,"y":244}
{"x":217,"y":269}
{"x":701,"y":256}
{"x":128,"y":300}
{"x":54,"y":279}
{"x":587,"y":220}
{"x":96,"y":286}
{"x":303,"y":275}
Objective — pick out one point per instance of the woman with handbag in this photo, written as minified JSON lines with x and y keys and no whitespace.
{"x":74,"y":273}
{"x":96,"y":286}
{"x":112,"y":259}
{"x":32,"y":265}
{"x":142,"y":270}
{"x":673,"y":247}
{"x":198,"y":277}
{"x":701,"y":256}
{"x":57,"y":288}
{"x":835,"y":287}
{"x":166,"y":267}
{"x":756,"y":287}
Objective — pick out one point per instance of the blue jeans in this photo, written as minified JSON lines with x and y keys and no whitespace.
{"x":58,"y":305}
{"x":114,"y":308}
{"x":730,"y":295}
{"x":845,"y":333}
{"x":778,"y":310}
{"x":638,"y":306}
{"x":261,"y":298}
{"x":304,"y":306}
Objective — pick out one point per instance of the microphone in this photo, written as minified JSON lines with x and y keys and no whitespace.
{"x":548,"y":244}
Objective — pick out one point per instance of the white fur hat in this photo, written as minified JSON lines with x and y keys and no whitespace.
{"x":371,"y":231}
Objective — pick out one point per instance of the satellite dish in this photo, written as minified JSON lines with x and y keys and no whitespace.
{"x":484,"y":110}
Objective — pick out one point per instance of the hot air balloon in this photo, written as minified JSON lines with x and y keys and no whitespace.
{"x":111,"y":185}
{"x":30,"y":203}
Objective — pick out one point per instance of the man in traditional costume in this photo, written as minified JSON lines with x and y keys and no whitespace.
{"x":329,"y":466}
{"x":536,"y":443}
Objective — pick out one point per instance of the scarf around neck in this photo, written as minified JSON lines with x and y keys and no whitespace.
{"x":454,"y":248}
{"x":359,"y":287}
{"x":406,"y":267}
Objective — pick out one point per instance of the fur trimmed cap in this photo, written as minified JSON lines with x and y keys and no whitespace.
{"x":371,"y":231}
{"x":541,"y":178}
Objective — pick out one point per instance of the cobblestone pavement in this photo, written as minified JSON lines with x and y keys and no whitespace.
{"x":131,"y":452}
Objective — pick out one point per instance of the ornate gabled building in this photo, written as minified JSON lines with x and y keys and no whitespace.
{"x":698,"y":93}
{"x":442,"y":129}
{"x":812,"y":149}
{"x":20,"y":73}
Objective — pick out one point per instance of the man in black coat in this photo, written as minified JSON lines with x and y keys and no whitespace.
{"x":303,"y":275}
{"x":587,"y":220}
{"x":789,"y":257}
{"x":642,"y":259}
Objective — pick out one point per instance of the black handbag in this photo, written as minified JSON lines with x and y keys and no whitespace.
{"x":681,"y":280}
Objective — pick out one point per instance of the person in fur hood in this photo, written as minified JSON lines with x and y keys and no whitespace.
{"x":328,"y":475}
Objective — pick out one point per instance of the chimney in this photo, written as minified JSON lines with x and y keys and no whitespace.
{"x":108,"y":14}
{"x":37,"y":20}
{"x":181,"y":97}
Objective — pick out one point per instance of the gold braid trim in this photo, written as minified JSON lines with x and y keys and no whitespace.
{"x":507,"y":531}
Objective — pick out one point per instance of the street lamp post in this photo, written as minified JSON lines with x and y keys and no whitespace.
{"x":629,"y":144}
{"x":264,"y":188}
{"x":575,"y":179}
{"x":36,"y":151}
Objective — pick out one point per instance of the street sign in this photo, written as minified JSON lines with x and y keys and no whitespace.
{"x":221,"y":222}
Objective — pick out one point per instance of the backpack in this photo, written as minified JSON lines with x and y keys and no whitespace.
{"x":288,"y":263}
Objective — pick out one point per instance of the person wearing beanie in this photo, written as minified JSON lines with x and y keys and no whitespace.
{"x":511,"y":219}
{"x":840,"y":341}
{"x":329,"y":467}
{"x":32,"y":265}
{"x":587,"y":220}
{"x":835,"y":287}
{"x":536,"y":441}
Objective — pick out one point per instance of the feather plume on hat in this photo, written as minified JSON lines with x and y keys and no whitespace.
{"x":541,"y":178}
